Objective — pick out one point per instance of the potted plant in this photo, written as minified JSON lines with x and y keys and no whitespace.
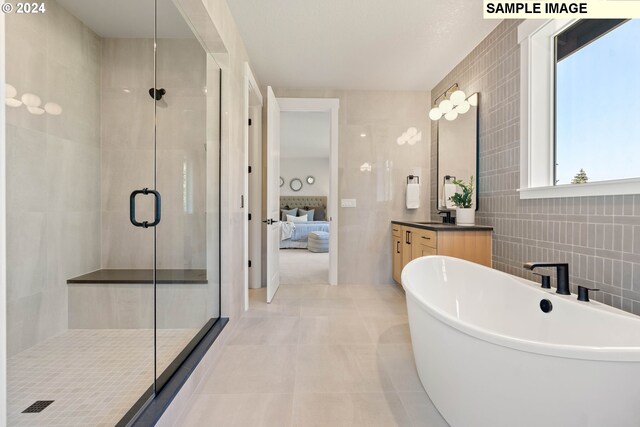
{"x":465,"y":214}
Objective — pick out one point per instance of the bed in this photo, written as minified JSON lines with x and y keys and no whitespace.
{"x":298,"y":236}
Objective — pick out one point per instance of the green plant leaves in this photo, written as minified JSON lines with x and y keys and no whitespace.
{"x":464,"y":199}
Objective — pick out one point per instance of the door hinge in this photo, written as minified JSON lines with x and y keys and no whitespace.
{"x":249,"y":263}
{"x":249,"y":169}
{"x":249,"y":217}
{"x":249,"y":122}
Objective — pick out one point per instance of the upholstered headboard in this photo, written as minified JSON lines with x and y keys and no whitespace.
{"x":303,"y":201}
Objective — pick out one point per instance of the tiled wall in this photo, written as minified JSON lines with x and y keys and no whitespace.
{"x":364,"y":245}
{"x":128,"y":151}
{"x":598,"y":236}
{"x":53,"y":170}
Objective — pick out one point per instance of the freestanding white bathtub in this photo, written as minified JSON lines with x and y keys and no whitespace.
{"x":487,"y":354}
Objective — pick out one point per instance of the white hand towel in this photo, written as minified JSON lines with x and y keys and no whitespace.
{"x":413,"y":196}
{"x":448,"y":191}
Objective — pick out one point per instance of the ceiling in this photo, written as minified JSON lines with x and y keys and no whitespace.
{"x":129,"y":18}
{"x":304,"y":134}
{"x":358,"y":44}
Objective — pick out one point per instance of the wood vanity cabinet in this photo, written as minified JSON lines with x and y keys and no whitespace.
{"x":396,"y":250}
{"x":411,"y":242}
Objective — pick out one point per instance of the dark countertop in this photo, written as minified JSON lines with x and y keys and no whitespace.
{"x":138,"y":276}
{"x":438,"y":226}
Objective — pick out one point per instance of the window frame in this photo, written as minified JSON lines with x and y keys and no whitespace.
{"x":537,"y":119}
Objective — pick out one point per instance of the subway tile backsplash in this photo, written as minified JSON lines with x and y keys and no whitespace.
{"x":598,"y":236}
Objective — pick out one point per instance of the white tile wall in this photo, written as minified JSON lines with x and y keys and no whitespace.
{"x":53,"y":170}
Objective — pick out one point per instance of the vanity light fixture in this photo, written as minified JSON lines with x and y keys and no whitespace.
{"x":456,"y":104}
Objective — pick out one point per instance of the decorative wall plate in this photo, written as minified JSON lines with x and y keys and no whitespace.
{"x":295,"y":184}
{"x":310,"y":180}
{"x":281,"y":181}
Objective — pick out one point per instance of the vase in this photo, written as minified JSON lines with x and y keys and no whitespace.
{"x":465,"y":216}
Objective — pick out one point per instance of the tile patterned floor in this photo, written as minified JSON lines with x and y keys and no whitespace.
{"x":94,"y":375}
{"x":317,"y":356}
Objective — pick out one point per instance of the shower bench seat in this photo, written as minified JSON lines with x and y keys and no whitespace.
{"x":124,"y":299}
{"x":142,"y":276}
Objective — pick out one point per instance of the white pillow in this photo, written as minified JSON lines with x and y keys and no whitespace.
{"x":291,"y":218}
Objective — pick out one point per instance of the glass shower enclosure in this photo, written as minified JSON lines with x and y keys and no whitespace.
{"x":113,"y":205}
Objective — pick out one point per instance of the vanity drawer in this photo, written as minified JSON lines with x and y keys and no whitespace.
{"x":428,"y":238}
{"x":396,"y":230}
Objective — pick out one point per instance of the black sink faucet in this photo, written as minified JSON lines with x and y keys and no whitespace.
{"x":447,"y":218}
{"x":563,"y":274}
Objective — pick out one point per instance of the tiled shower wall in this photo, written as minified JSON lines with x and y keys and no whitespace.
{"x":127,"y":148}
{"x":598,"y":236}
{"x":53,"y":170}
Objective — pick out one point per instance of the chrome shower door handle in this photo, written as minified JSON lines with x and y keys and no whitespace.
{"x":157,"y":208}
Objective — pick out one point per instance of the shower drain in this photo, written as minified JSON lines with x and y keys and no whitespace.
{"x":38,"y":406}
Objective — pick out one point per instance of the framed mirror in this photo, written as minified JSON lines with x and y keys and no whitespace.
{"x":458,"y":154}
{"x":310,"y":180}
{"x":295,"y":184}
{"x":281,"y":181}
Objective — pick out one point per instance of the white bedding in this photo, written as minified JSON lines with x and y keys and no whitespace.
{"x":286,"y":230}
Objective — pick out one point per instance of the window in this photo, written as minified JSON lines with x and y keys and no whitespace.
{"x":580,"y":108}
{"x":597,"y":100}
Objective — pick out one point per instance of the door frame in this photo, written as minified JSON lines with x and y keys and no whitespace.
{"x":332,"y":106}
{"x":253,"y":103}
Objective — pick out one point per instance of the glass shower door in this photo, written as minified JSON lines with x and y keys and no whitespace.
{"x":187,"y":299}
{"x":80,"y":137}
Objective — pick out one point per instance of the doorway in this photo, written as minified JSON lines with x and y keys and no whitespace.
{"x":305,"y":170}
{"x":284,"y":214}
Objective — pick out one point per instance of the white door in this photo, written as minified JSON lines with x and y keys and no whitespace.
{"x":273,"y":195}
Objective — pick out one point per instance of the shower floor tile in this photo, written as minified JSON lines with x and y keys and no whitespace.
{"x":94,"y":376}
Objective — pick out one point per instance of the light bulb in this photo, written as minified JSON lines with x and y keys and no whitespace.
{"x":435,"y":114}
{"x":53,"y":108}
{"x":412,"y":131}
{"x":31,"y":100}
{"x":413,"y":141}
{"x":458,"y":97}
{"x":445,"y":106}
{"x":10,"y":91}
{"x":473,"y":100}
{"x":12,"y":102}
{"x":37,"y":111}
{"x":451,"y":115}
{"x":463,"y":107}
{"x":401,"y":140}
